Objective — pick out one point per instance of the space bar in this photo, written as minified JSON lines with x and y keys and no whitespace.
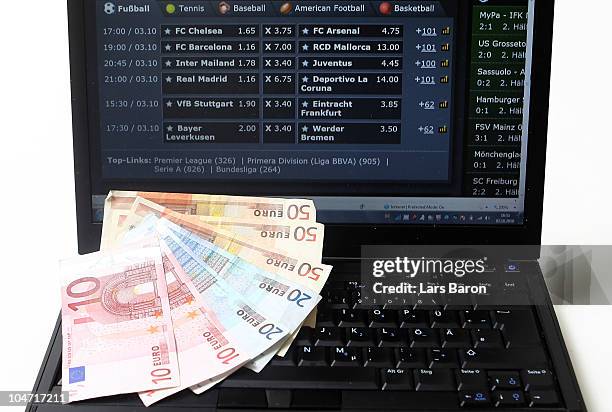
{"x":304,"y":377}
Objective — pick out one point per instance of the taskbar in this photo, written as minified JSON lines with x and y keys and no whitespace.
{"x":364,"y":216}
{"x":419,"y":218}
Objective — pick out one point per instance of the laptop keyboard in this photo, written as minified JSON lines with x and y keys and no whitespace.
{"x":485,"y":356}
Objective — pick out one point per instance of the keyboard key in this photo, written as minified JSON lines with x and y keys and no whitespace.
{"x":502,"y":359}
{"x":360,"y":337}
{"x":508,"y":398}
{"x":382,"y":318}
{"x":350,"y":318}
{"x":312,"y":356}
{"x":475,"y":319}
{"x":471,"y":399}
{"x":287,"y":360}
{"x":413,"y":319}
{"x":537,"y":379}
{"x":542,"y":398}
{"x":455,"y":338}
{"x":304,"y":337}
{"x":336,"y":298}
{"x":379,"y":357}
{"x":325,"y":317}
{"x":442,"y":358}
{"x":356,"y":301}
{"x":424,"y":338}
{"x":518,"y":327}
{"x":444,"y":319}
{"x":427,"y":302}
{"x":391,"y":338}
{"x":457,"y":302}
{"x":231,"y":398}
{"x":396,"y":379}
{"x":411,"y":358}
{"x":487,"y":338}
{"x":504,"y":380}
{"x":352,"y":285}
{"x":391,"y":401}
{"x":434,"y":380}
{"x":471,"y":380}
{"x":304,"y":378}
{"x":346,"y":357}
{"x":328,"y":337}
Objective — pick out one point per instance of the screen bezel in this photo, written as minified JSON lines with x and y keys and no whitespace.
{"x":340,"y":240}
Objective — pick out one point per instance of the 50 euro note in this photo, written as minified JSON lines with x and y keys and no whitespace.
{"x":263,"y":209}
{"x":290,"y":263}
{"x":307,"y":237}
{"x":116,"y":324}
{"x":230,"y":329}
{"x":112,"y":227}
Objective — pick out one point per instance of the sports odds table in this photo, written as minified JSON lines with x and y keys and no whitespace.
{"x":365,"y":90}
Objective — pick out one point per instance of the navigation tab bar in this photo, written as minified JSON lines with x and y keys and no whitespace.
{"x":304,"y":8}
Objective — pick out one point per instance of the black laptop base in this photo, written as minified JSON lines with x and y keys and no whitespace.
{"x":393,"y":359}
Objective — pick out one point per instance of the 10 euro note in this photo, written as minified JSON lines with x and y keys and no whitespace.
{"x":116,"y":325}
{"x":255,"y":328}
{"x":206,"y":347}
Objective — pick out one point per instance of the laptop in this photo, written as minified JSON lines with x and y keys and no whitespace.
{"x":407,"y":122}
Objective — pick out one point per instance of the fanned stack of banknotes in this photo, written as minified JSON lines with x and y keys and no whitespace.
{"x":186,"y":290}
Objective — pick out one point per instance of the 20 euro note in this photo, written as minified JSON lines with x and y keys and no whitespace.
{"x":293,"y":301}
{"x":253,"y":328}
{"x":306,"y":272}
{"x":207,"y":347}
{"x":307,"y":237}
{"x":252,"y":208}
{"x":116,"y":325}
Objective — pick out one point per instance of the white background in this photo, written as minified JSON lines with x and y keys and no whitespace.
{"x":37,"y":213}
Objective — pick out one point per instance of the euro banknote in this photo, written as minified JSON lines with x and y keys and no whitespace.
{"x":309,"y":272}
{"x":292,"y":265}
{"x":296,"y":302}
{"x":254,"y":208}
{"x":242,"y":276}
{"x":268,"y":255}
{"x":238,"y":277}
{"x":207,"y":346}
{"x":287,"y":235}
{"x":251,"y":281}
{"x":116,"y":324}
{"x":264,"y":320}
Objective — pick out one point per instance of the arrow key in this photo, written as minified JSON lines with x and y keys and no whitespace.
{"x":543,"y":398}
{"x":468,"y":399}
{"x":508,"y":398}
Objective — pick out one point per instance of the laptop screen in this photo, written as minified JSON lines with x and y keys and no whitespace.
{"x":383,"y":112}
